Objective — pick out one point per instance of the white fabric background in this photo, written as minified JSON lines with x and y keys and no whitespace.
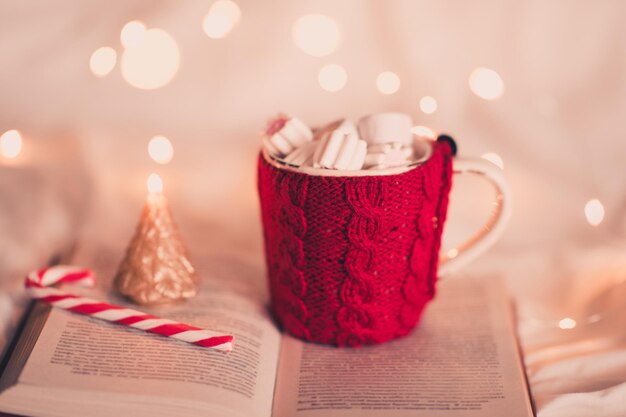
{"x":559,"y":128}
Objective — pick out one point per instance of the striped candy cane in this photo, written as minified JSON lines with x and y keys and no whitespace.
{"x":38,"y":284}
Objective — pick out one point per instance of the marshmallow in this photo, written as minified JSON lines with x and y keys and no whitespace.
{"x":347,"y":127}
{"x":271,"y":149}
{"x":348,"y":149}
{"x":381,"y":141}
{"x":321,"y":137}
{"x":374,"y":159}
{"x":339,"y":147}
{"x":319,"y":150}
{"x":280,"y":143}
{"x":359,"y":156}
{"x":388,"y":156}
{"x":284,"y":133}
{"x":385,"y":128}
{"x":331,"y":150}
{"x":296,"y":132}
{"x":302,"y":155}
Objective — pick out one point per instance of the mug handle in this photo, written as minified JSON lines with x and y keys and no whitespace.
{"x":489,"y":233}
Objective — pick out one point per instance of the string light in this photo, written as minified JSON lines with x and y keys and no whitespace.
{"x":423,"y":131}
{"x":486,"y":83}
{"x":494,"y":158}
{"x":428,"y":104}
{"x":388,"y":82}
{"x":102,"y":61}
{"x":153,"y":63}
{"x":332,"y":77}
{"x":567,"y":323}
{"x":10,"y":144}
{"x":160,"y":149}
{"x":132,"y":34}
{"x":316,"y":34}
{"x":594,"y":212}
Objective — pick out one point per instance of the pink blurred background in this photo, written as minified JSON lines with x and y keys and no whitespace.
{"x":556,"y":121}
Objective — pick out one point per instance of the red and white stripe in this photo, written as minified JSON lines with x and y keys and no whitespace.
{"x":38,"y":284}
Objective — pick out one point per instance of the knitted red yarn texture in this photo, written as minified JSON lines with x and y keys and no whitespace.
{"x":353,"y":260}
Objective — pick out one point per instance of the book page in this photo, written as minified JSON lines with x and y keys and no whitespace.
{"x":461,"y":360}
{"x":81,"y":353}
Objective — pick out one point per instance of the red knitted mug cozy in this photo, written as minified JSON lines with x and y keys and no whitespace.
{"x":353,"y":260}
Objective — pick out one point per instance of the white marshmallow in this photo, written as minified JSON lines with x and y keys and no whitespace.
{"x":394,"y":155}
{"x":293,"y":155}
{"x":292,"y":134}
{"x":359,"y":156}
{"x":347,"y":127}
{"x":385,"y":128}
{"x":374,"y":159}
{"x":339,"y":145}
{"x":280,"y":143}
{"x":301,"y":155}
{"x":347,"y":150}
{"x":296,"y":132}
{"x":321,"y":146}
{"x":302,"y":128}
{"x":331,"y":151}
{"x":271,"y":149}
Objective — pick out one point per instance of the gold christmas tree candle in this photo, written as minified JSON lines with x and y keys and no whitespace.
{"x":156,"y":267}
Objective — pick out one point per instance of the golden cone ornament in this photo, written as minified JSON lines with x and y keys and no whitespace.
{"x":156,"y":268}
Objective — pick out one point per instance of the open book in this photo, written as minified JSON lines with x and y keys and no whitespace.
{"x":462,"y":360}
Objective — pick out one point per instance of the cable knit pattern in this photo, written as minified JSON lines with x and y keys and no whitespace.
{"x":353,"y":260}
{"x":365,"y":199}
{"x":287,"y":230}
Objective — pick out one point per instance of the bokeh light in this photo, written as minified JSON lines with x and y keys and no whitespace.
{"x":10,"y":144}
{"x":153,"y":63}
{"x":388,"y":82}
{"x":102,"y":61}
{"x":494,"y":158}
{"x":132,"y":34}
{"x":332,"y":77}
{"x":423,"y":132}
{"x":228,"y":8}
{"x":428,"y":104}
{"x":216,"y":25}
{"x":160,"y":149}
{"x":155,"y":184}
{"x":486,"y":83}
{"x":567,"y":323}
{"x":316,"y":34}
{"x":594,"y":212}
